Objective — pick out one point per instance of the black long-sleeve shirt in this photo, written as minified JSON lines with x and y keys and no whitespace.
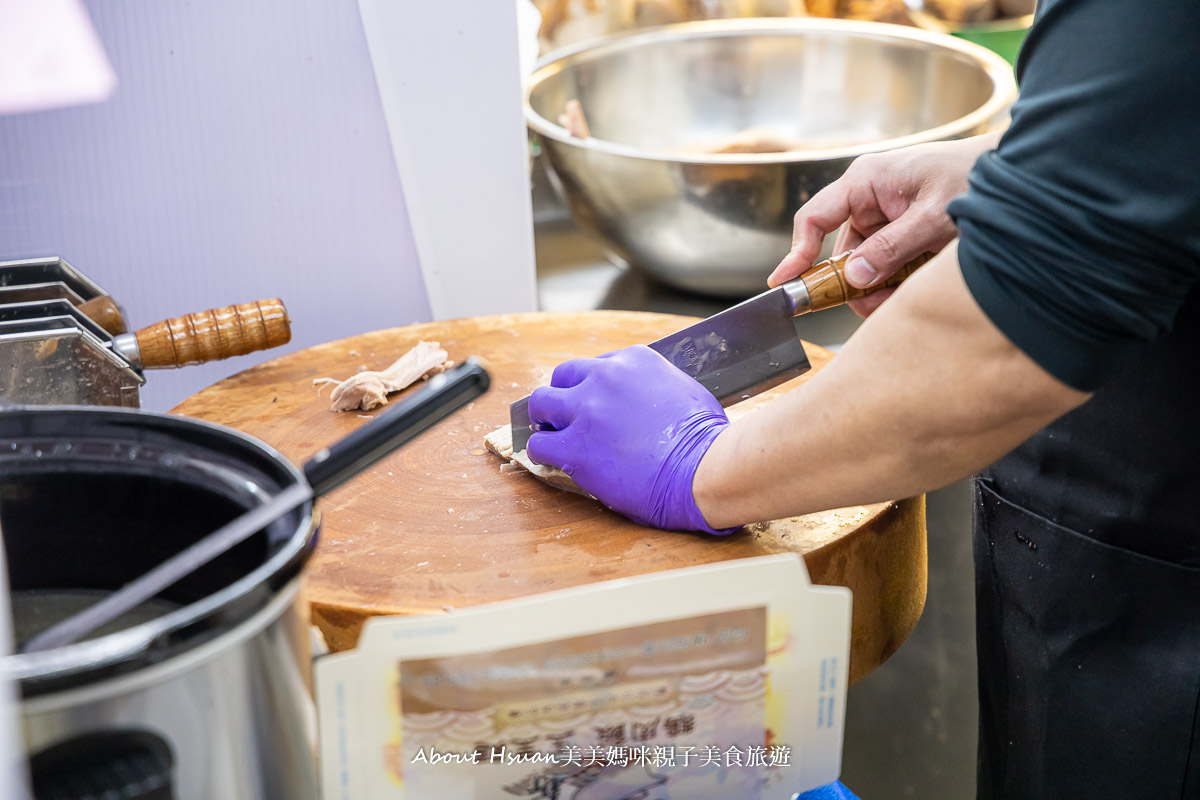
{"x":1080,"y":239}
{"x":1080,"y":234}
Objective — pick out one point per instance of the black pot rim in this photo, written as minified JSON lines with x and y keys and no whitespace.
{"x":181,"y":630}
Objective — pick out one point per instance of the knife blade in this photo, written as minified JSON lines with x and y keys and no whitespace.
{"x":753,"y":346}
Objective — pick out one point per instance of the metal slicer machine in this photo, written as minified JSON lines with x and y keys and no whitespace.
{"x":64,"y":340}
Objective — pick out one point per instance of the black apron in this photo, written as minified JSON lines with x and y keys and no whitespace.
{"x":1087,"y":560}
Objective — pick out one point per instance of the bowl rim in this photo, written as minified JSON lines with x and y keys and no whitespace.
{"x":997,"y":70}
{"x":930,"y":22}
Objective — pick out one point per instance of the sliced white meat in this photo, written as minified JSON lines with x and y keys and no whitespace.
{"x":368,"y":389}
{"x":500,"y":442}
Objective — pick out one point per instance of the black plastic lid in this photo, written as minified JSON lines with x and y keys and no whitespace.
{"x":105,"y":765}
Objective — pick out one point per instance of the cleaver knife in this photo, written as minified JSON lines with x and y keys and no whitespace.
{"x":753,"y":346}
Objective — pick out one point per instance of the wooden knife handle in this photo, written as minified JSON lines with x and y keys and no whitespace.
{"x":214,"y":334}
{"x":827,"y":285}
{"x":105,"y":312}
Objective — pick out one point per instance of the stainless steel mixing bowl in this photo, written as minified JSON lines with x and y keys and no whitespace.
{"x":818,"y":92}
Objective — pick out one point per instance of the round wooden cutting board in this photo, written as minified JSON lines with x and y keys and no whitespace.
{"x":437,"y":525}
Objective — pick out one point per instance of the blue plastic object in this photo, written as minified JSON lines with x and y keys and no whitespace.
{"x":833,"y":791}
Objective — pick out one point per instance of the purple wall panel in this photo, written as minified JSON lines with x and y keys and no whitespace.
{"x":244,"y":155}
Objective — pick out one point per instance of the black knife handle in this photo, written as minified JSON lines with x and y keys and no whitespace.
{"x":439,"y":398}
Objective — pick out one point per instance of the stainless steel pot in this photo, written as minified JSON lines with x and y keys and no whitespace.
{"x":202,"y":694}
{"x":809,"y":95}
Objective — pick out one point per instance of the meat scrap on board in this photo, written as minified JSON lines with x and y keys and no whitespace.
{"x":370,"y":388}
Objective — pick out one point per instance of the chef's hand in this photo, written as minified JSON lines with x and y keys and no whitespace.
{"x":631,"y":429}
{"x":894,"y":208}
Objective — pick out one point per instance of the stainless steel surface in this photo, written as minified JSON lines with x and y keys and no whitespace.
{"x":50,"y":351}
{"x":520,"y":423}
{"x":575,"y":274}
{"x":53,"y":354}
{"x":735,"y":354}
{"x":742,"y":351}
{"x":221,"y":676}
{"x":797,"y":290}
{"x":125,"y":345}
{"x":43,"y":270}
{"x":236,"y":712}
{"x":52,"y":290}
{"x":31,"y":310}
{"x":648,"y":182}
{"x":52,"y":361}
{"x":923,"y":17}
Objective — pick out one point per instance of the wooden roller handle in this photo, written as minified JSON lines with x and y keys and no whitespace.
{"x":214,"y":334}
{"x":105,"y":312}
{"x":828,"y":287}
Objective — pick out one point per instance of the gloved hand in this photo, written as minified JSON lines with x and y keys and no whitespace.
{"x":631,"y":429}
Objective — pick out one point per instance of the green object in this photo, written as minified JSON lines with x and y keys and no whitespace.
{"x":1004,"y":36}
{"x":999,"y":39}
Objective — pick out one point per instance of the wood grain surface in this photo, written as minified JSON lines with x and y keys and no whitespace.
{"x":215,"y":334}
{"x":437,"y":525}
{"x":827,"y":285}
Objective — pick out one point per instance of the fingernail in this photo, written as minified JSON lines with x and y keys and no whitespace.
{"x":860,"y":272}
{"x":780,"y":273}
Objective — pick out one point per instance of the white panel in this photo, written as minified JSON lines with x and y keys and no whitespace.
{"x":450,"y":79}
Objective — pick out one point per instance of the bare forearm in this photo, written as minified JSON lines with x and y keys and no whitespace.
{"x":927,"y":391}
{"x":988,"y":141}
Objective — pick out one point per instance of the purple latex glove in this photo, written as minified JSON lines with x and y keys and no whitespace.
{"x":631,"y":429}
